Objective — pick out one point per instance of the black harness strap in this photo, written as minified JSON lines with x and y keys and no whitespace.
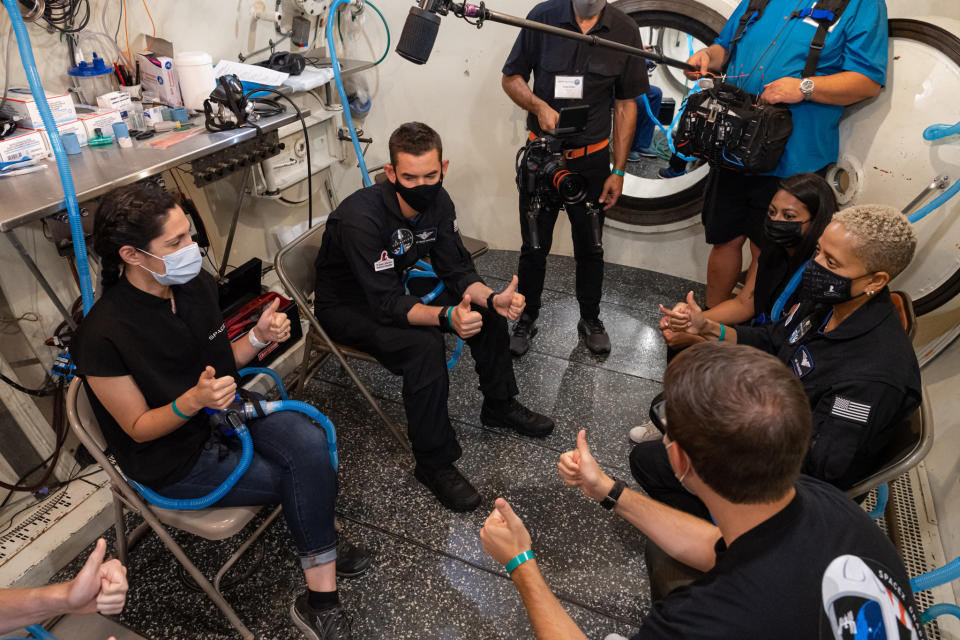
{"x":826,"y":14}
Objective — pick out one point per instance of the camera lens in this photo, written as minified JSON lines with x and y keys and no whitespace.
{"x":572,"y":187}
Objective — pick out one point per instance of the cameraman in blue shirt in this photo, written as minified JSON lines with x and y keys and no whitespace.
{"x":772,"y":54}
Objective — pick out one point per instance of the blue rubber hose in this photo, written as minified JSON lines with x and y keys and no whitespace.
{"x":246,"y":457}
{"x":252,"y":371}
{"x":335,"y":64}
{"x":883,"y":494}
{"x":668,"y":132}
{"x":308,"y":410}
{"x":938,"y":610}
{"x":63,"y":166}
{"x":936,"y":203}
{"x":946,"y":573}
{"x":39,"y":633}
{"x":938,"y":131}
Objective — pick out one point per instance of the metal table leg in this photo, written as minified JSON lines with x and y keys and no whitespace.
{"x":32,"y":266}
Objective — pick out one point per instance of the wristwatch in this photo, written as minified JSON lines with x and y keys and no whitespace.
{"x":806,"y":88}
{"x":611,"y":500}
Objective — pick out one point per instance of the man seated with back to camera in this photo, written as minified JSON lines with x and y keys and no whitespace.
{"x":370,"y":242}
{"x":846,"y":344}
{"x":789,"y":557}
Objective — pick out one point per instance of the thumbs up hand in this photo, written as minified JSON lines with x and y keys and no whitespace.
{"x":210,"y":391}
{"x":508,"y":302}
{"x":466,"y":322}
{"x":272,"y":326}
{"x":503,"y":535}
{"x":578,"y":468}
{"x":685,"y":316}
{"x":100,"y":586}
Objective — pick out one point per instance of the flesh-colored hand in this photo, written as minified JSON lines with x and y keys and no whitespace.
{"x":578,"y":468}
{"x":612,"y":189}
{"x":100,"y":586}
{"x":213,"y":392}
{"x":784,"y":90}
{"x":548,"y":118}
{"x":503,"y":535}
{"x":686,"y":317}
{"x":508,"y":302}
{"x":273,"y":326}
{"x":465,"y":321}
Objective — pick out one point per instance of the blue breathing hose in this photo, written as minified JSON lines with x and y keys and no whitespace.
{"x":936,"y":203}
{"x":246,"y":455}
{"x":277,"y":380}
{"x":335,"y":64}
{"x":63,"y":166}
{"x":883,"y":494}
{"x":938,"y":610}
{"x":668,"y":132}
{"x":946,"y":573}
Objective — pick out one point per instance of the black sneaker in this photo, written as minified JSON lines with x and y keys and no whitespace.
{"x":351,"y":561}
{"x":595,"y":335}
{"x":320,"y":624}
{"x":452,"y":490}
{"x":510,"y":414}
{"x":523,"y":333}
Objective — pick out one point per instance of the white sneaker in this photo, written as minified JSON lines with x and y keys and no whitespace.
{"x":644,"y":432}
{"x":614,"y":636}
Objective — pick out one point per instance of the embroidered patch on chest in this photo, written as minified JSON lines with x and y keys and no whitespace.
{"x":425,"y":236}
{"x":850,"y":410}
{"x":401,"y":241}
{"x":801,"y":330}
{"x":801,"y":362}
{"x":385,"y":262}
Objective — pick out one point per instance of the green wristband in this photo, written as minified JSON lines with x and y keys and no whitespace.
{"x":449,"y":318}
{"x":617,"y":172}
{"x":179,"y":413}
{"x":519,"y":560}
{"x":723,"y":333}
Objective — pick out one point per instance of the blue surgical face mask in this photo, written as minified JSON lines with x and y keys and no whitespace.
{"x":182,"y":265}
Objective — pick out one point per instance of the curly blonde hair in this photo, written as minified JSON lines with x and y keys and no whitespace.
{"x":885,"y":240}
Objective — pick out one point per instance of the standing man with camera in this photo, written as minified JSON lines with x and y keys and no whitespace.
{"x":567,"y":73}
{"x":818,"y":56}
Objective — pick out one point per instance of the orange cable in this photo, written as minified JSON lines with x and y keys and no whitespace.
{"x":126,"y":34}
{"x":153,"y":37}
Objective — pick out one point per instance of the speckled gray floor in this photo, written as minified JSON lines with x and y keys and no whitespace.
{"x":431,"y":578}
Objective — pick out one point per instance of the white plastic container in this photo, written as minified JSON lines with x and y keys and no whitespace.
{"x":195,"y":72}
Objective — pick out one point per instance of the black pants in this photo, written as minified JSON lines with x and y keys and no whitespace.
{"x":417,"y":353}
{"x":651,"y":469}
{"x":533,"y":262}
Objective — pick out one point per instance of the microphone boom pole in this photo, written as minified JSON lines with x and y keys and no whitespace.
{"x":481,"y":14}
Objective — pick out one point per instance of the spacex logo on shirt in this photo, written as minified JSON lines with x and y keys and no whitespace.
{"x":220,"y":330}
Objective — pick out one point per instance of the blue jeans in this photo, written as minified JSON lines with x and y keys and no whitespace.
{"x":644,"y":132}
{"x":291,"y":466}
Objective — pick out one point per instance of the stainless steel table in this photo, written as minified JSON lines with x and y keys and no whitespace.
{"x":99,"y":170}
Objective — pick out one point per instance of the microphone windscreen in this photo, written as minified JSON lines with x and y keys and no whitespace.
{"x":418,"y":35}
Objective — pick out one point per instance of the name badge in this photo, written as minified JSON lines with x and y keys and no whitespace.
{"x":569,"y":87}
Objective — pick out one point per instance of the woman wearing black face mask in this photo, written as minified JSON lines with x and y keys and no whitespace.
{"x":799,"y":212}
{"x":845,"y":341}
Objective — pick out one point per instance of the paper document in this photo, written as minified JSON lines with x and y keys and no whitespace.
{"x":250,"y":73}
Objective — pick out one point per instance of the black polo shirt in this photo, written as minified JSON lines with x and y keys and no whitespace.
{"x":862,"y":380}
{"x":368,"y":245}
{"x":130,"y":332}
{"x":607,"y":74}
{"x":818,"y":564}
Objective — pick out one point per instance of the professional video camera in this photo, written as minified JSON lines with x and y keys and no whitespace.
{"x":728,"y":127}
{"x":543,"y":177}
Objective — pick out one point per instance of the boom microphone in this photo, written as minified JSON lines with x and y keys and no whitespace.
{"x":418,"y":35}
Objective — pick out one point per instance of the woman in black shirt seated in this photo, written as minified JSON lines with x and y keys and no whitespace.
{"x":799,"y":212}
{"x":154,"y":353}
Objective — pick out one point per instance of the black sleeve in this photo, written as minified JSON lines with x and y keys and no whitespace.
{"x":523,"y":56}
{"x":847,"y":422}
{"x":770,"y":337}
{"x":363,"y":250}
{"x":450,"y":258}
{"x":634,"y":81}
{"x":94,"y":350}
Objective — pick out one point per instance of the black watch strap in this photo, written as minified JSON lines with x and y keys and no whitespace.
{"x":611,"y":500}
{"x":443,"y":322}
{"x":490,"y":300}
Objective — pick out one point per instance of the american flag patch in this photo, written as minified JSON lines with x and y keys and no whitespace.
{"x":856,"y":411}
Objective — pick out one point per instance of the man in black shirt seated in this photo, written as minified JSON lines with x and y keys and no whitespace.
{"x":371,"y":241}
{"x":789,"y":557}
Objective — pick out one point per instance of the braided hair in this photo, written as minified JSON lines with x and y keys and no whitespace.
{"x":133,"y":215}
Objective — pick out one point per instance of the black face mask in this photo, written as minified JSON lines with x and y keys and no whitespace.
{"x":785,"y":233}
{"x":420,"y":197}
{"x":819,"y":284}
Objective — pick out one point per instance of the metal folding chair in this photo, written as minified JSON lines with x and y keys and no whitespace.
{"x":213,"y":524}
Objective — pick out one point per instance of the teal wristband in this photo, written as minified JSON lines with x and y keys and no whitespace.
{"x":617,"y":172}
{"x":723,"y":333}
{"x":519,"y":560}
{"x":179,"y":413}
{"x":449,"y":318}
